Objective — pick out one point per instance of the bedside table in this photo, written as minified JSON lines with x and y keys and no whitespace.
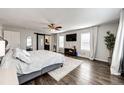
{"x":8,"y":77}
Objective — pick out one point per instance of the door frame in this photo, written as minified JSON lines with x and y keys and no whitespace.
{"x":39,"y":34}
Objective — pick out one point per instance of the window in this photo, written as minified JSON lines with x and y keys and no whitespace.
{"x":61,"y":41}
{"x":29,"y":41}
{"x":85,"y":41}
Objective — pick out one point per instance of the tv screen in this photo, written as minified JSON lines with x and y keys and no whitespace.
{"x":71,"y":37}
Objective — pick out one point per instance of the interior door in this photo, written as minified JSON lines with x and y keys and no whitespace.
{"x":40,"y":42}
{"x":13,"y":38}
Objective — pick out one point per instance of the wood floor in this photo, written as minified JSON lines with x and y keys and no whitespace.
{"x":89,"y":73}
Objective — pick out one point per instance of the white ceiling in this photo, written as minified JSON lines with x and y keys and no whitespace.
{"x":69,"y":19}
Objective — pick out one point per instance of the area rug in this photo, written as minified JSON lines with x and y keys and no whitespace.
{"x":69,"y":65}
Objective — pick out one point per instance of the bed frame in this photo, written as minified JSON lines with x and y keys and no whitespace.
{"x":27,"y":77}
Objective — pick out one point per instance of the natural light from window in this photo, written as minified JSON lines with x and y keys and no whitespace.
{"x":29,"y":41}
{"x":61,"y":41}
{"x":85,"y":41}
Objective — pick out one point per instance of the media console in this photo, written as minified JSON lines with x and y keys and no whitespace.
{"x":70,"y":52}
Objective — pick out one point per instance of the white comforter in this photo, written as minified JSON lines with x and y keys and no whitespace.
{"x":39,"y":60}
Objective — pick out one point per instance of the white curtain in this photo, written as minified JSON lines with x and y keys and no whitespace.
{"x":93,"y":42}
{"x":118,"y":52}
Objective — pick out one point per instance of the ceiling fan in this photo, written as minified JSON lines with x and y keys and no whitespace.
{"x":54,"y":27}
{"x":48,"y":25}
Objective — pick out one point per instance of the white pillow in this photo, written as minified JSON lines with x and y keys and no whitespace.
{"x":20,"y":66}
{"x":26,"y":53}
{"x":18,"y":54}
{"x":17,"y":51}
{"x":9,"y":61}
{"x":24,"y":58}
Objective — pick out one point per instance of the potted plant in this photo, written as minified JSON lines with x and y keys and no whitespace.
{"x":110,"y":42}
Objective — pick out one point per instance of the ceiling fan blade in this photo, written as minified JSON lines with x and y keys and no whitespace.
{"x":56,"y":29}
{"x":52,"y":24}
{"x":59,"y":27}
{"x":49,"y":26}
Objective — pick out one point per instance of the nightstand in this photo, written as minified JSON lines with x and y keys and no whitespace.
{"x":8,"y":77}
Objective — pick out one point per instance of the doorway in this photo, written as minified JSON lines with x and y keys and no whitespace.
{"x":47,"y":45}
{"x":43,"y":41}
{"x":40,"y":42}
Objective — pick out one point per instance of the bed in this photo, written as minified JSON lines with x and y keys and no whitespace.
{"x":42,"y":61}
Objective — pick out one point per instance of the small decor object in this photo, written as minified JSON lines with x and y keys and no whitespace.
{"x":75,"y":51}
{"x":54,"y":48}
{"x":110,"y":42}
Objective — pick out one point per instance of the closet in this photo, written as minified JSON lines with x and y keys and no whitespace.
{"x":13,"y":38}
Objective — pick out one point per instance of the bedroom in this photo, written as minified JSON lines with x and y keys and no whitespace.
{"x":42,"y":51}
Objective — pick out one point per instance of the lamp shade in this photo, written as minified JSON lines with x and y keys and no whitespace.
{"x":2,"y":48}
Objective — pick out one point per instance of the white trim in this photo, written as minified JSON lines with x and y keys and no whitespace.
{"x":101,"y":60}
{"x":95,"y":59}
{"x":84,"y":56}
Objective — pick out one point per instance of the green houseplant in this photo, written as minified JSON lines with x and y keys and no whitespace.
{"x":110,"y":42}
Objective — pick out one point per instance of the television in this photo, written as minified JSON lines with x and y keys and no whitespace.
{"x":71,"y":37}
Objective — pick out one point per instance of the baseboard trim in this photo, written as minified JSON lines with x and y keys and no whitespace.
{"x":101,"y":60}
{"x":106,"y":61}
{"x":97,"y":59}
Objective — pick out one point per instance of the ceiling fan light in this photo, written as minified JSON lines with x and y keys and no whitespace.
{"x":52,"y":30}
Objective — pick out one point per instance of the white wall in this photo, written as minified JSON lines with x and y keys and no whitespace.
{"x":24,"y":33}
{"x":74,"y":43}
{"x":102,"y":52}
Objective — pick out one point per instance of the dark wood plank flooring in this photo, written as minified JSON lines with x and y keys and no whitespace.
{"x":89,"y":73}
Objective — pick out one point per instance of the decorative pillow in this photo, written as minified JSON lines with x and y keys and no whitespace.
{"x":20,"y":66}
{"x":24,"y":58}
{"x":9,"y":61}
{"x":18,"y":54}
{"x":26,"y":53}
